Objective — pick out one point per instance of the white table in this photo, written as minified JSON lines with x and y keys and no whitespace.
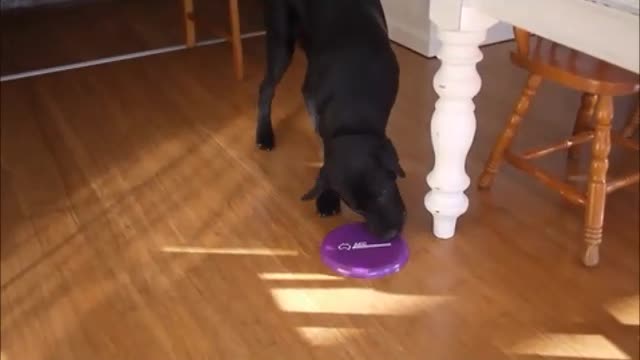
{"x":607,"y":29}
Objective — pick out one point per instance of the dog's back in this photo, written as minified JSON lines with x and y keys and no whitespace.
{"x":329,"y":26}
{"x":352,"y":74}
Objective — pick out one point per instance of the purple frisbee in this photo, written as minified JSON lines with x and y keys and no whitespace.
{"x":352,"y":251}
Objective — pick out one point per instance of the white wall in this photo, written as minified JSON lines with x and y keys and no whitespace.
{"x":408,"y":22}
{"x":409,"y":26}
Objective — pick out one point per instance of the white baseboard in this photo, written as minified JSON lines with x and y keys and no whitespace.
{"x":18,"y":4}
{"x":122,"y":57}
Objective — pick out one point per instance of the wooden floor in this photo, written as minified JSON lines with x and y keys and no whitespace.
{"x":140,"y":222}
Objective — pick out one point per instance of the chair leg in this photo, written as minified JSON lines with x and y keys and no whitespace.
{"x":632,"y":124}
{"x":189,"y":23}
{"x":583,"y":120}
{"x":236,"y":41}
{"x":582,"y":123}
{"x":597,"y":185}
{"x":506,"y":138}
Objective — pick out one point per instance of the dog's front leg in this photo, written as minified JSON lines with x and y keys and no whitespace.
{"x":328,"y":203}
{"x":327,"y":199}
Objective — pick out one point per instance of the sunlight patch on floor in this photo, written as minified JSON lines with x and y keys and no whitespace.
{"x":326,"y":336}
{"x":570,"y":346}
{"x":353,"y":301}
{"x":229,"y":251}
{"x":626,"y":310}
{"x":297,"y":276}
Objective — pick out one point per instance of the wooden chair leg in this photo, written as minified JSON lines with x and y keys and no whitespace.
{"x":236,"y":41}
{"x":597,"y":185}
{"x":189,"y":23}
{"x":582,"y":123}
{"x":506,"y":138}
{"x":632,"y":124}
{"x":583,"y":119}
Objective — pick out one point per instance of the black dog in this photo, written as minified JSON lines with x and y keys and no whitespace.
{"x":349,"y":89}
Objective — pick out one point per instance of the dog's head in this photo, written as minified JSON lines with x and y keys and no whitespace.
{"x":363,"y":170}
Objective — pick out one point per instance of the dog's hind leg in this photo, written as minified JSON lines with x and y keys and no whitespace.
{"x":279,"y":21}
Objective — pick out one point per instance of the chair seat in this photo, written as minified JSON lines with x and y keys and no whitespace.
{"x":575,"y":69}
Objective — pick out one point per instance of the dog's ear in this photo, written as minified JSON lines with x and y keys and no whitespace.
{"x":389,"y":158}
{"x":318,"y":187}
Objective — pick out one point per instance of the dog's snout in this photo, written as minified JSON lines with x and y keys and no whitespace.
{"x":387,"y":226}
{"x":390,"y":234}
{"x":384,"y":233}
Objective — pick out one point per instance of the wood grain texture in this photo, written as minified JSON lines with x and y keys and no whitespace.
{"x":140,"y":222}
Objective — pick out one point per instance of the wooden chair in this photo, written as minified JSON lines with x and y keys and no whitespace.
{"x":632,"y":124}
{"x":233,"y":37}
{"x":599,"y":82}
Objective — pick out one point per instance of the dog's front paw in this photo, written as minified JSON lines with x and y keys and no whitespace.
{"x":328,"y":203}
{"x":265,"y":140}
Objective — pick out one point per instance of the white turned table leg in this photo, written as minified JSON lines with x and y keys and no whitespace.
{"x":453,"y":123}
